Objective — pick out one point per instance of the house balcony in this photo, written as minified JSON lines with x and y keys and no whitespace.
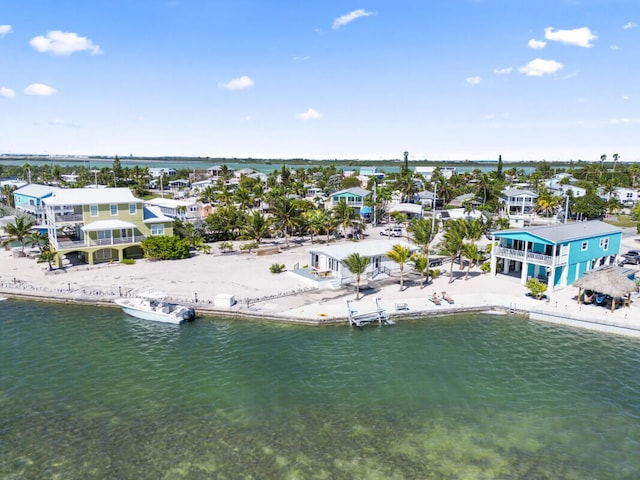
{"x":68,"y":218}
{"x":66,"y":244}
{"x":530,"y":257}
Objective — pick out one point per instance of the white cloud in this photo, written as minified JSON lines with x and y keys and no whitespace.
{"x":40,"y":90}
{"x":473,"y":80}
{"x":350,"y":17}
{"x":239,"y":83}
{"x":540,"y":67}
{"x":625,"y":121}
{"x":57,"y":122}
{"x":629,"y":25}
{"x":310,"y":114}
{"x":614,"y":47}
{"x":7,"y":92}
{"x":502,"y":71}
{"x":580,"y":37}
{"x":64,"y":43}
{"x":537,"y":44}
{"x":4,"y":29}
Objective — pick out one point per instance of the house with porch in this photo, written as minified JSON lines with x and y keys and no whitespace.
{"x":555,"y":254}
{"x":30,"y":199}
{"x":518,"y":202}
{"x":101,"y":225}
{"x":354,"y":197}
{"x":326,"y":261}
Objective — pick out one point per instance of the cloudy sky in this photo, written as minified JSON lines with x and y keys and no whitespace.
{"x":450,"y":80}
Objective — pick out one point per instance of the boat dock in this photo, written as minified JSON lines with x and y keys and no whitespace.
{"x":360,"y":319}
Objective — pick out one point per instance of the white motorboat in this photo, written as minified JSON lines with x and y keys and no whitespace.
{"x":154,"y":306}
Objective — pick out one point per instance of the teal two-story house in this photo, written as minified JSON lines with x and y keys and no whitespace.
{"x":555,"y":254}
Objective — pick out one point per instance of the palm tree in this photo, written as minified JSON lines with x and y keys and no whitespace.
{"x":317,"y":221}
{"x":244,"y":198}
{"x":20,"y":231}
{"x":421,"y":264}
{"x":344,"y":215}
{"x":39,"y":240}
{"x":401,"y":255}
{"x":49,"y":255}
{"x":208,"y":195}
{"x":451,"y":245}
{"x":357,"y":264}
{"x":256,"y":227}
{"x":471,"y":252}
{"x":285,"y":216}
{"x":422,"y":231}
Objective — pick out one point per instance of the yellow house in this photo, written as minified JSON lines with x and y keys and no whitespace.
{"x":101,"y":224}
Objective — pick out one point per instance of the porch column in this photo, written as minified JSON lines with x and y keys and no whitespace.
{"x":494,"y":263}
{"x":523,"y":274}
{"x":121,"y":254}
{"x":551,"y":280}
{"x":505,"y":265}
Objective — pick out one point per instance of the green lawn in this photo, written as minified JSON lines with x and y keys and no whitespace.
{"x":622,"y":221}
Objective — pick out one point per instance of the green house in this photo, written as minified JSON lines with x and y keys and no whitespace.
{"x":101,"y":224}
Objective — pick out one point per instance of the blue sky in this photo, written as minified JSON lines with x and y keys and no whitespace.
{"x":444,"y":80}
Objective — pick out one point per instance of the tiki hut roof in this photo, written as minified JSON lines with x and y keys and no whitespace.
{"x":611,"y":280}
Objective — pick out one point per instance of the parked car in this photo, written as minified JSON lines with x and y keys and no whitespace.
{"x":632,"y":257}
{"x":392,"y":232}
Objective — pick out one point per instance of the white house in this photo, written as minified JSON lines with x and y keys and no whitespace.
{"x":427,"y":172}
{"x":326,"y":260}
{"x":518,"y":202}
{"x":187,"y":209}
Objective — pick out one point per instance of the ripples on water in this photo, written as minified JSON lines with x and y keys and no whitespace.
{"x":92,"y":393}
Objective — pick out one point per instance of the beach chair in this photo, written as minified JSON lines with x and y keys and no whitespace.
{"x":434,"y":299}
{"x":447,"y":298}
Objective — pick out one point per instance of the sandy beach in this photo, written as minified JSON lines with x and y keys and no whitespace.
{"x":284,"y":296}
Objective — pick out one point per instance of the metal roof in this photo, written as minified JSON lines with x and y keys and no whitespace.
{"x":367,"y":248}
{"x":564,"y":232}
{"x":36,"y":190}
{"x":91,"y":196}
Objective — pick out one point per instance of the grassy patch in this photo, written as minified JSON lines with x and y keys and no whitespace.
{"x":622,"y":221}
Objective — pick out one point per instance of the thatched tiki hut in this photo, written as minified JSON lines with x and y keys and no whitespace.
{"x":612,"y":281}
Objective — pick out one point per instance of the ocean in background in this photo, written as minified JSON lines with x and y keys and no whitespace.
{"x":90,"y":393}
{"x":264,"y":166}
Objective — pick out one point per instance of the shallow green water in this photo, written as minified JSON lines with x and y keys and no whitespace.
{"x":91,"y":393}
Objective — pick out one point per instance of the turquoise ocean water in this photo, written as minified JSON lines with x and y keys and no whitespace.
{"x":91,"y":393}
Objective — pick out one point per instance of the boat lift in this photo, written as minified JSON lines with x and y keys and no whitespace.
{"x":359,"y":319}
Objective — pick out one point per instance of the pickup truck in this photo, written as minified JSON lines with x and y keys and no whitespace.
{"x":392,"y":232}
{"x":632,"y":257}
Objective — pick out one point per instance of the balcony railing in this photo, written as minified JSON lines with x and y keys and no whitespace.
{"x":103,"y":242}
{"x":62,"y":218}
{"x":538,"y":258}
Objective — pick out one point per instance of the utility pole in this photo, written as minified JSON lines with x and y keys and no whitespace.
{"x":374,"y":222}
{"x":566,"y":210}
{"x":433,"y":213}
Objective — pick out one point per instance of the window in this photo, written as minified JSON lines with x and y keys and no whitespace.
{"x":604,"y":244}
{"x":157,"y":229}
{"x":93,"y":210}
{"x":104,"y":234}
{"x":132,"y":209}
{"x":104,"y":254}
{"x":114,"y":210}
{"x":585,"y":246}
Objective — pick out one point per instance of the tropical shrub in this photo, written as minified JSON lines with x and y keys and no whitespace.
{"x":277,"y":268}
{"x":128,"y":261}
{"x":164,"y":247}
{"x":249,"y":246}
{"x":536,"y":287}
